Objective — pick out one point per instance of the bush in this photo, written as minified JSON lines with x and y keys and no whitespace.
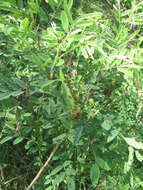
{"x":71,"y":71}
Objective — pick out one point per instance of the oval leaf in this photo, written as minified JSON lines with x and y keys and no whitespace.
{"x":61,"y":75}
{"x":18,"y":140}
{"x":5,"y":139}
{"x":128,"y":164}
{"x":102,"y":164}
{"x":70,"y":3}
{"x":132,"y":142}
{"x":17,"y":93}
{"x":71,"y":184}
{"x":56,"y":170}
{"x":59,"y":178}
{"x":107,"y":125}
{"x":67,"y":10}
{"x":139,"y":156}
{"x":94,"y":174}
{"x":48,"y":181}
{"x":78,"y":134}
{"x":5,"y":95}
{"x":65,"y":22}
{"x":112,"y":135}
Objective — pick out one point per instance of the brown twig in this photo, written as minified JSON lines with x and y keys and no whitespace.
{"x":99,"y":185}
{"x":17,"y":120}
{"x":44,"y":166}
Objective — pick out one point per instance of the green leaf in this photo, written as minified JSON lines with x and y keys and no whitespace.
{"x":26,"y":130}
{"x":84,"y":52}
{"x":71,"y":184}
{"x":49,"y":188}
{"x":70,"y":172}
{"x":5,"y":139}
{"x":43,"y":14}
{"x":58,"y":138}
{"x":18,"y":140}
{"x":17,"y":93}
{"x":46,"y":83}
{"x":2,"y":114}
{"x":5,"y":95}
{"x":67,"y":11}
{"x":132,"y":142}
{"x":66,"y":96}
{"x":27,"y":114}
{"x":67,"y":163}
{"x":78,"y":134}
{"x":56,"y":170}
{"x":52,"y":4}
{"x":94,"y":174}
{"x":61,"y":75}
{"x":112,"y":135}
{"x":128,"y":164}
{"x":3,"y":89}
{"x":48,"y":181}
{"x":70,"y":3}
{"x":132,"y":36}
{"x":64,"y":20}
{"x":107,"y":125}
{"x":24,"y":25}
{"x":56,"y":1}
{"x":19,"y":82}
{"x":138,"y":156}
{"x":19,"y":3}
{"x":59,"y":178}
{"x":60,"y":63}
{"x":102,"y":164}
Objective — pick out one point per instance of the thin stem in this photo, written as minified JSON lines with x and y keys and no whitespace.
{"x":140,"y":98}
{"x":55,"y":62}
{"x":44,"y":166}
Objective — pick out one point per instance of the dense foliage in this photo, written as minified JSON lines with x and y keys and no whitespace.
{"x":71,"y":76}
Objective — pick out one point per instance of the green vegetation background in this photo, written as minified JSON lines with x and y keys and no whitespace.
{"x":71,"y":71}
